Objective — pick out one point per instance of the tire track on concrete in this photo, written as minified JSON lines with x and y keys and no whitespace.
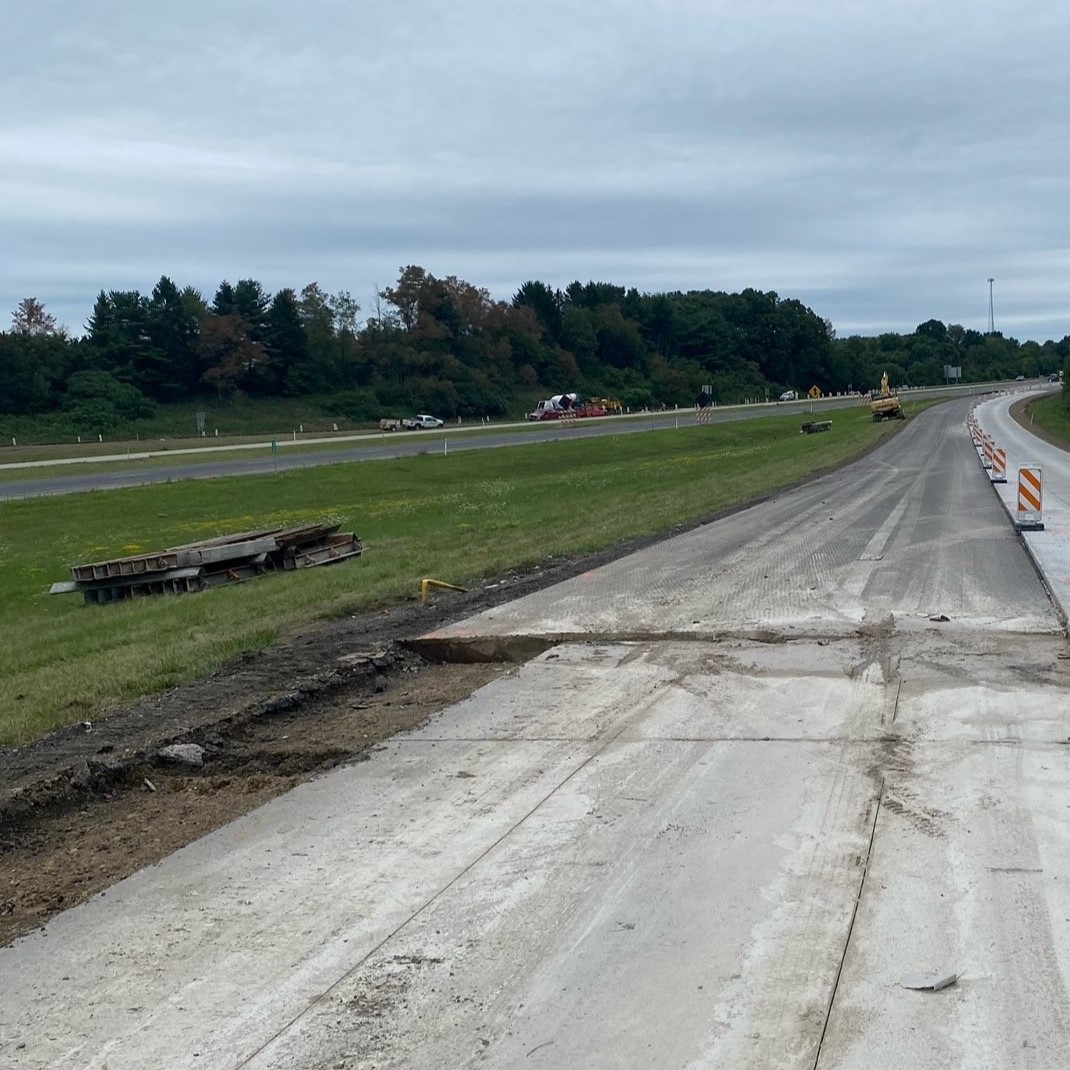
{"x":321,"y":997}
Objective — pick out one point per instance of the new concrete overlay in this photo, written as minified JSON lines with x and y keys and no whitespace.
{"x":1050,"y":548}
{"x":749,"y":786}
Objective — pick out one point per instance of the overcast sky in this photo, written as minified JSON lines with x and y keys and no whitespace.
{"x":878,"y":161}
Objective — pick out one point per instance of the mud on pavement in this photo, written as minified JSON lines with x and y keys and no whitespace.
{"x":88,"y":805}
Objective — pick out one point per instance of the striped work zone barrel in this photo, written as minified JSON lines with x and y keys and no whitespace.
{"x":1030,"y":499}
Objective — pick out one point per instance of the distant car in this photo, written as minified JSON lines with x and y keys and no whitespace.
{"x":789,"y":395}
{"x":1019,"y":378}
{"x":423,"y":422}
{"x":1053,"y":378}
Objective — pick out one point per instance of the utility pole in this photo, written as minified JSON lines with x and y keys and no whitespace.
{"x":991,"y":309}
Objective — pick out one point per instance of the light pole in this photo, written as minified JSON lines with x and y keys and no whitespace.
{"x":991,"y":309}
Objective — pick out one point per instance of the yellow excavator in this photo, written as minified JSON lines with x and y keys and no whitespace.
{"x":884,"y":404}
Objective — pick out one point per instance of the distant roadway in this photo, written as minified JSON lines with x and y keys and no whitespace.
{"x":377,"y":446}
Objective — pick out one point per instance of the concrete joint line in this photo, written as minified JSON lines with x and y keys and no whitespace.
{"x":851,"y":926}
{"x":433,"y":741}
{"x":318,"y":999}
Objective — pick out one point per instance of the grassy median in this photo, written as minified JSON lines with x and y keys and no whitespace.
{"x":458,"y":518}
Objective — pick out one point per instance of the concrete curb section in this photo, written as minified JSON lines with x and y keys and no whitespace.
{"x":1049,"y":548}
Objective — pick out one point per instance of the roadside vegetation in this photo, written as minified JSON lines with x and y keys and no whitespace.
{"x":1053,"y":414}
{"x":253,"y":361}
{"x":462,"y":518}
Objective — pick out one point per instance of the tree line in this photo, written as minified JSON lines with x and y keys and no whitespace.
{"x":443,"y":345}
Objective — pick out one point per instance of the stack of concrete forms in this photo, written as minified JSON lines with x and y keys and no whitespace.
{"x":199,"y":565}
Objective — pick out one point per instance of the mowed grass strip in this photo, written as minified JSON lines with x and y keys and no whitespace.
{"x":458,"y":518}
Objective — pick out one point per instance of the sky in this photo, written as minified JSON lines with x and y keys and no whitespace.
{"x":879,"y":162}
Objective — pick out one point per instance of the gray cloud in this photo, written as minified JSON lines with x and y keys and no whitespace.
{"x":879,"y":165}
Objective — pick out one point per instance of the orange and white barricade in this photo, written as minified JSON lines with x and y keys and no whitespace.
{"x":999,"y":465}
{"x":1030,"y":513}
{"x":987,"y":446}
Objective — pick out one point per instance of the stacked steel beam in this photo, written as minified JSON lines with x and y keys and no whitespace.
{"x":200,"y":565}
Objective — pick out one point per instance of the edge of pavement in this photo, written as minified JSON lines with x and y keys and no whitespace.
{"x":1046,"y":548}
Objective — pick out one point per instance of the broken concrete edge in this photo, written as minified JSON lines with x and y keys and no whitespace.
{"x":95,"y":772}
{"x":454,"y":647}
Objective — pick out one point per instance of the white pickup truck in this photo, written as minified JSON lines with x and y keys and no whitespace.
{"x":422,"y":422}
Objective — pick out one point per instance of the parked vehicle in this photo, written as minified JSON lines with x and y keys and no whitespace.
{"x":569,"y":405}
{"x":554,"y":408}
{"x":422,"y":422}
{"x":884,"y":404}
{"x":789,"y":395}
{"x":389,"y":425}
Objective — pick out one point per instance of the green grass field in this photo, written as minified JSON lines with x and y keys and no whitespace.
{"x":457,"y":518}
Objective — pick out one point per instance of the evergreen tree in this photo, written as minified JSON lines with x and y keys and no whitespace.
{"x":286,"y":345}
{"x":172,"y":331}
{"x":223,"y":304}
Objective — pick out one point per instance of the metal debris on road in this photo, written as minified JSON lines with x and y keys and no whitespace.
{"x":928,"y":982}
{"x":440,"y":585}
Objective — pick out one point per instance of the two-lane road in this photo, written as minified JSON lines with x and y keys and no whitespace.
{"x":86,"y":473}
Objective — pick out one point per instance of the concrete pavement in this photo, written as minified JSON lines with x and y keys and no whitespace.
{"x":1050,"y":548}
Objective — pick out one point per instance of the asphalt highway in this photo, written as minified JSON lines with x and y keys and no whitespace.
{"x":235,"y":460}
{"x":763,"y":774}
